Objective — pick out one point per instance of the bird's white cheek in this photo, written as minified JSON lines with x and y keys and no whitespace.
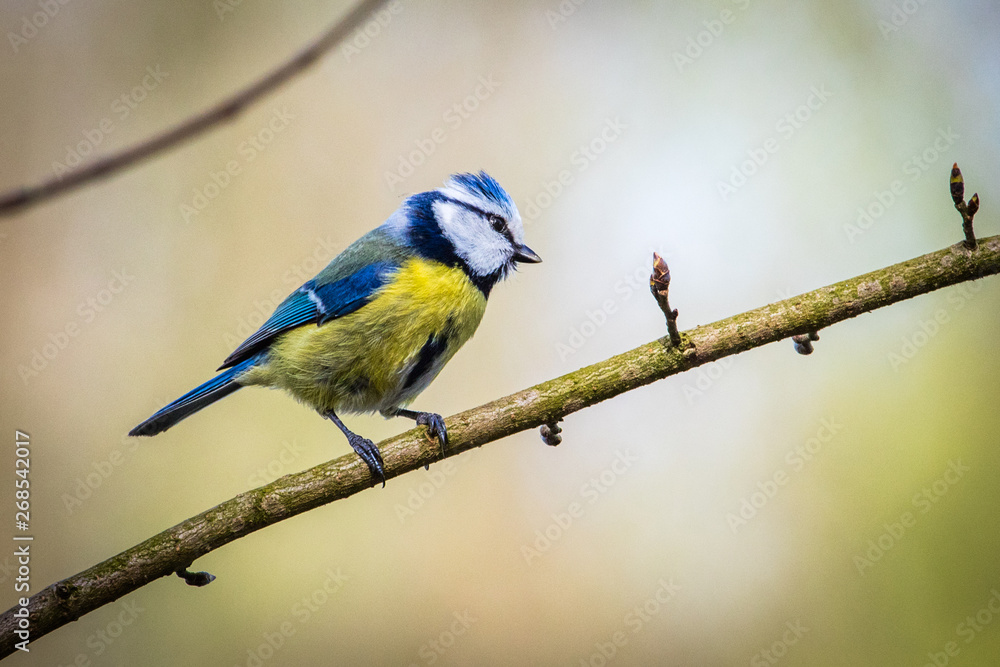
{"x":474,"y":241}
{"x":488,"y":256}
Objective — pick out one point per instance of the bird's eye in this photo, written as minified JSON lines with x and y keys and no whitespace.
{"x":498,"y":224}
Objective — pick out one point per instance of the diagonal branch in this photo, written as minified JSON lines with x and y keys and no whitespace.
{"x":175,"y":549}
{"x":20,"y":198}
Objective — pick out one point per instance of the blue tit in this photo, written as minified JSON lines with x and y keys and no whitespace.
{"x":377,"y":325}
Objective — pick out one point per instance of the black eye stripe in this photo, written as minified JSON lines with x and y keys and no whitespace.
{"x":489,"y":216}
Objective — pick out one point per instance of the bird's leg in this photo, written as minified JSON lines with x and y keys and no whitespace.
{"x":434,"y":423}
{"x":364,"y":447}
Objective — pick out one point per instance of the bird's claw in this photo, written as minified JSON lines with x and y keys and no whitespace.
{"x":370,"y":454}
{"x":436,"y":429}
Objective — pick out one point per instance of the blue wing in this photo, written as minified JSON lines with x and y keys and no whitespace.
{"x":316,"y":304}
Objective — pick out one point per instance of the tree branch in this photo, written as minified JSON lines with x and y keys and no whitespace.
{"x":18,"y":199}
{"x":175,"y":549}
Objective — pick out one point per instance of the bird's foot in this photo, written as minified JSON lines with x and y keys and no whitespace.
{"x":435,"y":427}
{"x":370,"y":454}
{"x":434,"y":422}
{"x":364,"y":447}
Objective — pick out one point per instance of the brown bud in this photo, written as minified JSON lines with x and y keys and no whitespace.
{"x":973,"y":204}
{"x":957,"y":185}
{"x":659,"y":280}
{"x":550,"y":434}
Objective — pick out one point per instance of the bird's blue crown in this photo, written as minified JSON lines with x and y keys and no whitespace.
{"x":482,"y":185}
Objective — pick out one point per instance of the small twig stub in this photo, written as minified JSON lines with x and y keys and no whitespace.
{"x":804,"y":342}
{"x":659,"y":286}
{"x":195,"y":578}
{"x":550,"y":434}
{"x":967,"y":210}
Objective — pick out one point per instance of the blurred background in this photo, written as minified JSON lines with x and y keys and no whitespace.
{"x":836,"y":509}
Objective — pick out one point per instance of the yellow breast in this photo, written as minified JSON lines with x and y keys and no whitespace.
{"x":364,"y":361}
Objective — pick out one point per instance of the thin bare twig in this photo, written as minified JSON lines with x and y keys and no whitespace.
{"x":20,"y":198}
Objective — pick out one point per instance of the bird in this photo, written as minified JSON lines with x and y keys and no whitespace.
{"x":380,"y":321}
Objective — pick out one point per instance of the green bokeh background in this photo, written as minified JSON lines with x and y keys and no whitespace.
{"x":702,"y":442}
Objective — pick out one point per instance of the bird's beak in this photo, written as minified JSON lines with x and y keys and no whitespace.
{"x":526,"y":255}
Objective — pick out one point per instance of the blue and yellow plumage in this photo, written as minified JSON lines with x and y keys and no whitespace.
{"x":377,"y":325}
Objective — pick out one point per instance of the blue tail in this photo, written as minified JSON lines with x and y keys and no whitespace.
{"x":218,"y":387}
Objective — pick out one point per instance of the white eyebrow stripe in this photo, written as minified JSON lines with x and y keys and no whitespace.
{"x":465,"y":197}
